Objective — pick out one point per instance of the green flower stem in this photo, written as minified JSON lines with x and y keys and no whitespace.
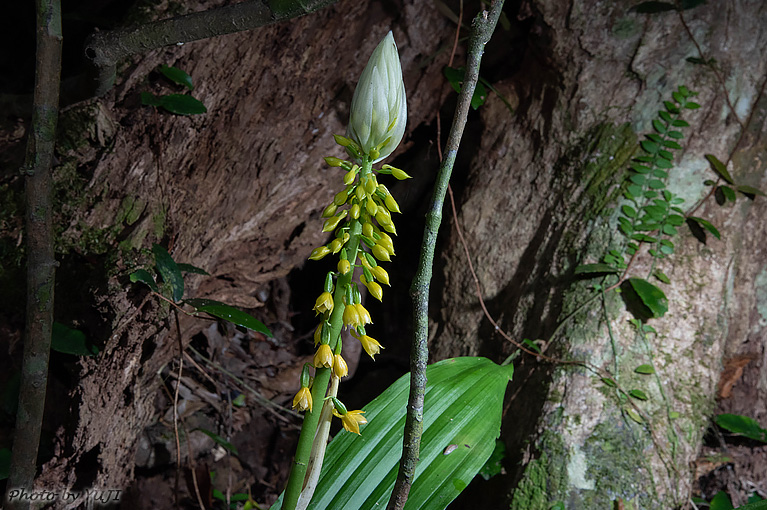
{"x":482,"y":29}
{"x":322,"y":375}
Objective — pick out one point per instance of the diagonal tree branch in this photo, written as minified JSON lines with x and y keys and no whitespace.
{"x":482,"y":29}
{"x":40,"y":260}
{"x":105,"y":49}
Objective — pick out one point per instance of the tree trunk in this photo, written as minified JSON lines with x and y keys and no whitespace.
{"x":239,"y":192}
{"x":540,"y":199}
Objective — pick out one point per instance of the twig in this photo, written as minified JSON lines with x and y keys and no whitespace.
{"x":40,"y":259}
{"x":106,"y":49}
{"x":482,"y":29}
{"x":268,"y":404}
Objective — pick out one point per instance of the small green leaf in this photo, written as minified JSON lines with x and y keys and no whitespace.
{"x":750,"y":190}
{"x":454,"y":77}
{"x":676,"y":135}
{"x":649,"y":146}
{"x":634,"y":416}
{"x":181,"y":104}
{"x":494,"y":465}
{"x":228,"y":313}
{"x":742,"y":425}
{"x":655,"y":184}
{"x":143,"y":276}
{"x":721,"y":502}
{"x":690,"y":105}
{"x":220,"y":440}
{"x":71,"y":341}
{"x":638,"y":394}
{"x":177,"y":75}
{"x":596,"y":269}
{"x":629,"y":211}
{"x":558,"y":505}
{"x":652,"y":297}
{"x":479,"y":96}
{"x":729,"y":194}
{"x":758,"y":505}
{"x":150,"y":99}
{"x":673,"y":415}
{"x":189,"y":268}
{"x":644,"y":369}
{"x":658,"y":125}
{"x":660,"y":275}
{"x":705,"y":224}
{"x":671,"y":144}
{"x":608,"y":382}
{"x":531,"y":345}
{"x":239,"y":400}
{"x":169,"y":271}
{"x":719,"y":168}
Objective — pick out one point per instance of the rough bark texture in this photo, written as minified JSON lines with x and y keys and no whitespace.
{"x":239,"y":192}
{"x":534,"y":208}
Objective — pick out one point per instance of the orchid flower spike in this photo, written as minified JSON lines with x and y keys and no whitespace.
{"x":379,"y":109}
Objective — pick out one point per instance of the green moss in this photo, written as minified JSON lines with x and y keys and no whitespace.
{"x":158,"y":222}
{"x":609,"y":153}
{"x":130,"y":210}
{"x":615,"y":453}
{"x":544,"y":478}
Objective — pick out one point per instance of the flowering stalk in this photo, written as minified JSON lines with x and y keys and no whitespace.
{"x":376,"y":126}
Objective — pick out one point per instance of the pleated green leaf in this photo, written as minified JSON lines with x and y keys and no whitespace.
{"x":462,"y":419}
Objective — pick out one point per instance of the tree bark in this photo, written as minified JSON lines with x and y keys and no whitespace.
{"x":539,"y":201}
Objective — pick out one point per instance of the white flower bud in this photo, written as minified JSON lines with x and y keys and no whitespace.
{"x":379,"y":109}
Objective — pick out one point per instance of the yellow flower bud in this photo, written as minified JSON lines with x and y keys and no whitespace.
{"x":354,"y":212}
{"x":331,"y":161}
{"x":351,"y":420}
{"x":324,"y":303}
{"x":363,"y":314}
{"x":380,"y":274}
{"x":350,"y":175}
{"x":335,"y":246}
{"x":370,"y":185}
{"x":342,"y":140}
{"x":340,"y":368}
{"x":371,"y":207}
{"x":344,"y":266}
{"x":367,"y":230}
{"x":323,"y":358}
{"x":387,"y":243}
{"x":383,"y":217}
{"x":341,"y":196}
{"x":351,"y":317}
{"x":359,"y":192}
{"x":381,"y":253}
{"x":399,"y":174}
{"x":303,"y":400}
{"x":391,"y":204}
{"x":332,"y":223}
{"x":318,"y":334}
{"x":329,"y":210}
{"x":371,"y":345}
{"x":390,"y":228}
{"x":375,"y":290}
{"x":319,"y":253}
